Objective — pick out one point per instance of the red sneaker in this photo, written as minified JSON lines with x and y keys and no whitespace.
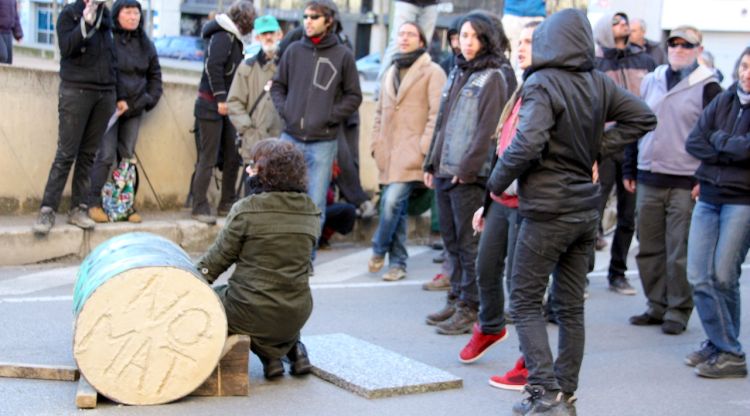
{"x":479,"y":344}
{"x":514,"y":379}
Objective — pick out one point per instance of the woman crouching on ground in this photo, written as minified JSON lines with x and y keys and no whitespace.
{"x":270,"y":236}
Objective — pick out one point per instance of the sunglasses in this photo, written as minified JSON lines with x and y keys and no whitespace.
{"x":311,"y":16}
{"x":618,"y":19}
{"x":683,"y":45}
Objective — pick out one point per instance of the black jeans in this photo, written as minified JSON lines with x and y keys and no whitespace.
{"x":496,"y":244}
{"x":560,"y":246}
{"x":348,"y":159}
{"x":457,"y":203}
{"x":83,"y":116}
{"x":215,"y":133}
{"x":610,"y":175}
{"x":118,"y":143}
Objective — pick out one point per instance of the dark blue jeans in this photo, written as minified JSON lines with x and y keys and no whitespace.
{"x":497,"y":242}
{"x":83,"y":116}
{"x":457,"y":203}
{"x":561,"y":246}
{"x":118,"y":143}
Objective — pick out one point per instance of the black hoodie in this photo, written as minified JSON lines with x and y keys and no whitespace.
{"x":139,"y":73}
{"x":224,"y":53}
{"x":316,"y":88}
{"x":565,"y":104}
{"x":87,"y":60}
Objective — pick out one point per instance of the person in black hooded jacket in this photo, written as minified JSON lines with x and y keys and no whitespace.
{"x":224,"y":53}
{"x":86,"y":101}
{"x":138,"y":90}
{"x":560,"y":133}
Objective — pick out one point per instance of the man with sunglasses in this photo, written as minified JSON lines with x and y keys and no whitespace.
{"x":663,"y":171}
{"x":626,"y":64}
{"x":315,"y":89}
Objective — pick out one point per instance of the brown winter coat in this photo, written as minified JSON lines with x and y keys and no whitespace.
{"x":404,"y":121}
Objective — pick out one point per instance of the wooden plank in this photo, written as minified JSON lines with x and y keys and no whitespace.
{"x":230,"y":377}
{"x":85,"y":395}
{"x":36,"y":371}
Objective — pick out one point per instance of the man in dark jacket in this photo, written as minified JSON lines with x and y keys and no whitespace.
{"x":10,"y":27}
{"x":638,"y":36}
{"x":565,"y":104}
{"x":224,"y":52}
{"x":138,"y":90}
{"x":626,"y":64}
{"x":86,"y":102}
{"x":315,"y":90}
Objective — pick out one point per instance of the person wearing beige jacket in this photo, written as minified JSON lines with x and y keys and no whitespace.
{"x":404,"y":123}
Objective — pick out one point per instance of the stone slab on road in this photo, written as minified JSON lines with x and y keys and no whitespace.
{"x":372,"y":371}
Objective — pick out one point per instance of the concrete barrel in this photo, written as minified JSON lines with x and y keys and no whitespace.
{"x":148,"y":329}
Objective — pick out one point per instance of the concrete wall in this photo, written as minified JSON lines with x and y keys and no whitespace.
{"x":165,"y":150}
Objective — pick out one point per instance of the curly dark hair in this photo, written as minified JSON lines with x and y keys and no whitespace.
{"x":489,"y":30}
{"x":242,"y":13}
{"x":279,"y":165}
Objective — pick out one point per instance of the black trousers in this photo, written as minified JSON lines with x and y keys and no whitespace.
{"x":348,"y":181}
{"x":610,"y":175}
{"x":215,"y":134}
{"x":83,"y":116}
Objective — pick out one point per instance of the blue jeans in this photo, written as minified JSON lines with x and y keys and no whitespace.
{"x":560,"y":246}
{"x":390,"y":237}
{"x":496,"y":244}
{"x":717,"y":246}
{"x":319,"y":161}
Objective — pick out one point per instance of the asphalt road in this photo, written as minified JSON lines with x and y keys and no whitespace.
{"x":626,"y":370}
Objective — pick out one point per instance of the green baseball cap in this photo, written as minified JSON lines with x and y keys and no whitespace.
{"x":265,"y":24}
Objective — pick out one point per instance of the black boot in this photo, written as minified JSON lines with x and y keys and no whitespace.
{"x":272,"y":367}
{"x":300,"y":363}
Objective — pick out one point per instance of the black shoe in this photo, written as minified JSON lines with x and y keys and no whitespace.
{"x":702,"y":355}
{"x":672,"y":327}
{"x":645,"y":319}
{"x":723,"y":365}
{"x":300,"y":362}
{"x":537,"y":401}
{"x":272,"y":367}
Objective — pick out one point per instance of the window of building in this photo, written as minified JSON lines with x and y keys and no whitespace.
{"x":45,"y":24}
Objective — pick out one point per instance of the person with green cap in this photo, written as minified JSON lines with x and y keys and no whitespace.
{"x":251,"y":110}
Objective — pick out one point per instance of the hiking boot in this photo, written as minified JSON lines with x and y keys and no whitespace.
{"x":367,"y":210}
{"x":537,"y":401}
{"x":272,"y":367}
{"x":300,"y":363}
{"x":443,"y":314}
{"x":645,"y":319}
{"x":514,"y":379}
{"x":78,"y":216}
{"x":394,"y":273}
{"x":672,"y":327}
{"x":439,"y":282}
{"x":204,"y":218}
{"x":619,"y":284}
{"x":702,"y":355}
{"x":479,"y":344}
{"x":460,"y":322}
{"x":98,"y":215}
{"x":722,"y":365}
{"x":376,"y":263}
{"x":135,"y":218}
{"x":44,"y":222}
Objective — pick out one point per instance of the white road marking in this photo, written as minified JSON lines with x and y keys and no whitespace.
{"x":352,"y":265}
{"x":39,"y":281}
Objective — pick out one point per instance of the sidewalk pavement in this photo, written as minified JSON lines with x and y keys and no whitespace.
{"x":66,"y":242}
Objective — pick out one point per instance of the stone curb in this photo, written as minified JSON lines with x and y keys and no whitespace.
{"x":66,"y":242}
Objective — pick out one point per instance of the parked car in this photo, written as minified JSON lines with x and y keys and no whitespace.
{"x":189,"y":48}
{"x":368,"y":66}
